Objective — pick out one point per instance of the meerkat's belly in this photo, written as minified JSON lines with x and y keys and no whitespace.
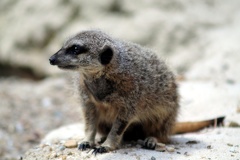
{"x":106,"y":117}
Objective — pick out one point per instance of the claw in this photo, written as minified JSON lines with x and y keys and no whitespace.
{"x":99,"y":149}
{"x":150,"y":143}
{"x":84,"y":146}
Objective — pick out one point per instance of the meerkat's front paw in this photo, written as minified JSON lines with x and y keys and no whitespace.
{"x":85,"y":145}
{"x":105,"y":147}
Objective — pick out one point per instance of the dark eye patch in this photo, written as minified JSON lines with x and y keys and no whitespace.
{"x":76,"y":49}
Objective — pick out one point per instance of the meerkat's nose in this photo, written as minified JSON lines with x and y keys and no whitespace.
{"x":52,"y":60}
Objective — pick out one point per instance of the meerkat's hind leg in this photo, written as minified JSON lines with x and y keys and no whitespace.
{"x":150,"y":143}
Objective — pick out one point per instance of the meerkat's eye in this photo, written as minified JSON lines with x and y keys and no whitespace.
{"x":77,"y":49}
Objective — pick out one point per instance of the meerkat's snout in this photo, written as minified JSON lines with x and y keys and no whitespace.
{"x":64,"y":60}
{"x":52,"y":60}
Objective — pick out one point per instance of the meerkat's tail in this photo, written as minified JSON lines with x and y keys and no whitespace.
{"x":186,"y":127}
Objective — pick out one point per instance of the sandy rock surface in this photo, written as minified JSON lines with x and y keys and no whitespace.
{"x":213,"y":143}
{"x":220,"y":143}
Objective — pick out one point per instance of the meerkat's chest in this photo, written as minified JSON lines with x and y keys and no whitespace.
{"x":100,"y":87}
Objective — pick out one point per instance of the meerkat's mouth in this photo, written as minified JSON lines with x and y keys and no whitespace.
{"x":70,"y":67}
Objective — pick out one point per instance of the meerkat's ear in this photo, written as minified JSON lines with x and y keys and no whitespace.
{"x":106,"y":55}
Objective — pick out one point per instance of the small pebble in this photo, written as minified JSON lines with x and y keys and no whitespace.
{"x":153,"y":158}
{"x":59,"y":154}
{"x":186,"y":154}
{"x":47,"y":149}
{"x":64,"y":157}
{"x":53,"y":155}
{"x":234,"y":124}
{"x":70,"y":144}
{"x":42,"y":145}
{"x":161,"y":145}
{"x":209,"y":147}
{"x":191,"y":142}
{"x":170,"y":149}
{"x":69,"y":153}
{"x":61,"y":148}
{"x":233,"y":150}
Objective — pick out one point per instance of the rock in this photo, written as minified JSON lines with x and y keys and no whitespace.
{"x":47,"y":149}
{"x":61,"y":148}
{"x":229,"y":144}
{"x":209,"y":147}
{"x":233,"y":150}
{"x":170,"y":149}
{"x":186,"y":154}
{"x":63,"y":157}
{"x":233,"y":124}
{"x":191,"y":142}
{"x":161,"y":145}
{"x":70,"y":144}
{"x":53,"y":155}
{"x":153,"y":158}
{"x":228,"y":135}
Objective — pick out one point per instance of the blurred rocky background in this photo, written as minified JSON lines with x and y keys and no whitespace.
{"x":199,"y":40}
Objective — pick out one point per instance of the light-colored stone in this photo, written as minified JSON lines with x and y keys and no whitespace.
{"x":70,"y":143}
{"x":53,"y":155}
{"x":170,"y":149}
{"x":161,"y":144}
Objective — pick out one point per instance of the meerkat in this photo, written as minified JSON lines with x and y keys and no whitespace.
{"x":127,"y":92}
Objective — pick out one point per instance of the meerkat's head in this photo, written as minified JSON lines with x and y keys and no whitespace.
{"x":88,"y":50}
